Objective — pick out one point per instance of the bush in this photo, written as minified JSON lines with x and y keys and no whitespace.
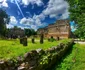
{"x":51,"y":39}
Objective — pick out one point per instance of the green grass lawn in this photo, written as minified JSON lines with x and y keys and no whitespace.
{"x":12,"y":48}
{"x":74,"y":61}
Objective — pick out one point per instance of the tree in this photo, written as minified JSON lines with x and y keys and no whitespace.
{"x":77,"y":14}
{"x":33,"y":32}
{"x":4,"y":19}
{"x":28,"y":32}
{"x":15,"y":27}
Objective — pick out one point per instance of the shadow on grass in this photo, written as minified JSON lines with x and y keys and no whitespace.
{"x":61,"y":60}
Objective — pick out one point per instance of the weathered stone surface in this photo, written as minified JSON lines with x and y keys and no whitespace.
{"x":27,"y":56}
{"x":61,"y":45}
{"x":21,"y":68}
{"x":37,"y":59}
{"x":20,"y":59}
{"x":51,"y":50}
{"x":40,"y":51}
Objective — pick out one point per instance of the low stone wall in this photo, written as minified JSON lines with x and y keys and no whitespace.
{"x":37,"y":59}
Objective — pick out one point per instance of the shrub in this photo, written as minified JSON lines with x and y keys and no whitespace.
{"x":51,"y":39}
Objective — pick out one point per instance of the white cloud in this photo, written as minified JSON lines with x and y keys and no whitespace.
{"x":26,"y":21}
{"x":38,"y":22}
{"x":65,"y":15}
{"x":34,"y":22}
{"x":56,"y":7}
{"x":1,"y":0}
{"x":34,"y":27}
{"x":41,"y":16}
{"x":27,"y":2}
{"x":3,"y":3}
{"x":22,"y":27}
{"x":36,"y":19}
{"x":13,"y":20}
{"x":9,"y":25}
{"x":53,"y":10}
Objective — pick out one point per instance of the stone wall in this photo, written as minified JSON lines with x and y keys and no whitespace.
{"x":37,"y":59}
{"x":59,"y":29}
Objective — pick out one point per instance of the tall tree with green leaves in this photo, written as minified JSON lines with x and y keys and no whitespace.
{"x":77,"y":14}
{"x":28,"y":32}
{"x":4,"y":19}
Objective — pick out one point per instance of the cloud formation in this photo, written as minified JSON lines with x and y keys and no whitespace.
{"x":13,"y":20}
{"x":3,"y":3}
{"x":27,"y":2}
{"x":53,"y":9}
{"x":56,"y":7}
{"x":26,"y":21}
{"x":9,"y":26}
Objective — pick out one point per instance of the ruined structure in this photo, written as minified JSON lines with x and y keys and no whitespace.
{"x":15,"y":32}
{"x":59,"y":29}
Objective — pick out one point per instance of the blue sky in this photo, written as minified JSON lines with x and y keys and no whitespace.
{"x":34,"y":13}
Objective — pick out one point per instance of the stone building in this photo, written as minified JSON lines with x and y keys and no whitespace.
{"x":60,"y":29}
{"x":15,"y":32}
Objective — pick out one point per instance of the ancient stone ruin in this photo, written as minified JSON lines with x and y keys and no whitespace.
{"x":60,"y":29}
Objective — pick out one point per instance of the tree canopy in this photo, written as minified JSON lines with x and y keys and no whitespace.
{"x":30,"y":32}
{"x":4,"y":19}
{"x":77,"y":14}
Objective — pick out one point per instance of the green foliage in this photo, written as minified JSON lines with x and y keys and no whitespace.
{"x":30,"y":32}
{"x":4,"y":19}
{"x":44,"y":60}
{"x":77,"y":14}
{"x":33,"y":32}
{"x":51,"y":39}
{"x":74,"y":61}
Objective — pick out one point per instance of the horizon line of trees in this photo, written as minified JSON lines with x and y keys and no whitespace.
{"x":12,"y":32}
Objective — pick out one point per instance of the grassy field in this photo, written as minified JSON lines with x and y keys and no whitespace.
{"x":12,"y":48}
{"x":74,"y":61}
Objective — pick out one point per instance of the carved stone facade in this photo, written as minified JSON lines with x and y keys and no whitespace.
{"x":60,"y":29}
